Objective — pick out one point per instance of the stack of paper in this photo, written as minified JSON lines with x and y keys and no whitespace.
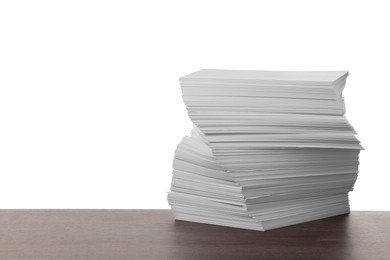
{"x":268,"y":149}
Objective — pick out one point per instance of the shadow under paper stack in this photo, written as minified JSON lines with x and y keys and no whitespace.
{"x":268,"y":149}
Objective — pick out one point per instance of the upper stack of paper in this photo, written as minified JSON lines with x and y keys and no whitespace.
{"x":268,"y":149}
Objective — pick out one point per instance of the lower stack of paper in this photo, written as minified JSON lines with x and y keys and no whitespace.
{"x":268,"y":149}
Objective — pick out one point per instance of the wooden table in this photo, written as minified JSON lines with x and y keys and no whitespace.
{"x":153,"y":234}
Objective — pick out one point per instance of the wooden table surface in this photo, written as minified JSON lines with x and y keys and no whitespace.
{"x":153,"y":234}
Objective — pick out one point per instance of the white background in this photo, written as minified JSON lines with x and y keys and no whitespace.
{"x":90,"y":103}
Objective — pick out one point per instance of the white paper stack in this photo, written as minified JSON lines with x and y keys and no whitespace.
{"x":268,"y":149}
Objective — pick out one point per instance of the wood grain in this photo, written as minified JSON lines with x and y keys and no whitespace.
{"x":153,"y":234}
